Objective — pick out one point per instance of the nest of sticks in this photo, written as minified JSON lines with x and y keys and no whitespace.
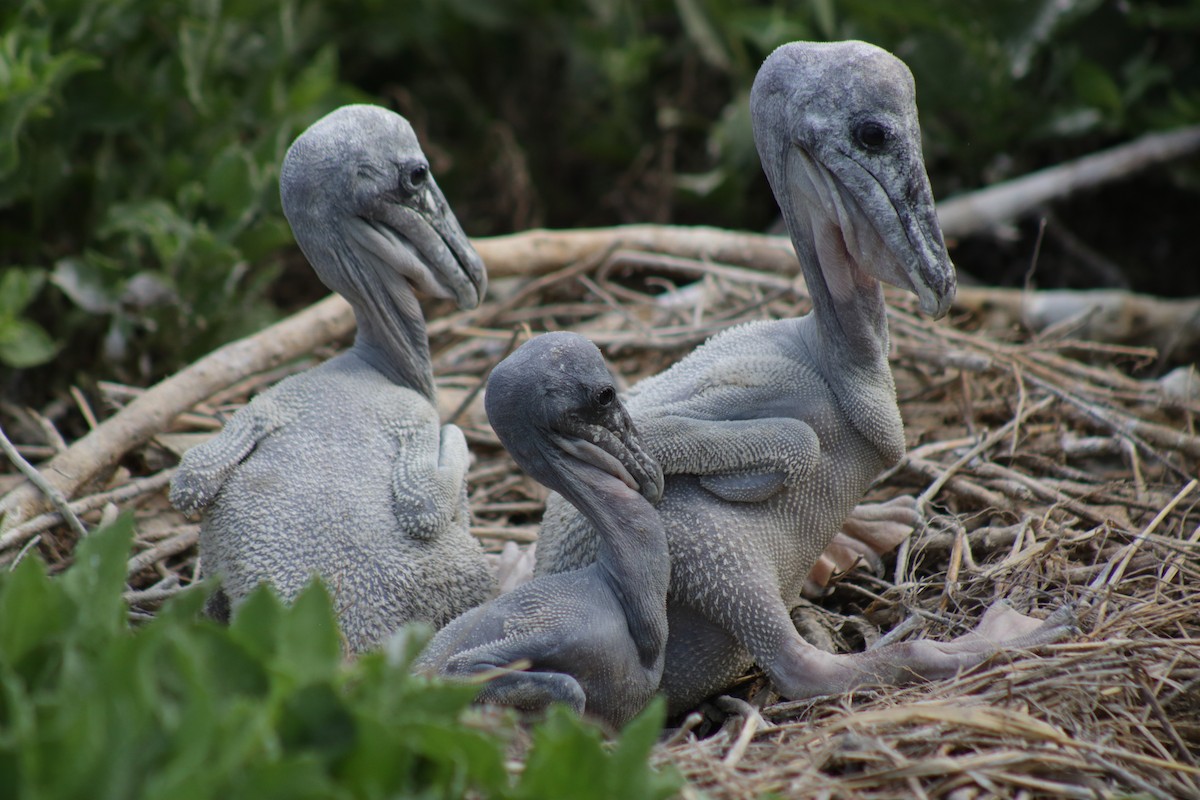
{"x":1049,"y":473}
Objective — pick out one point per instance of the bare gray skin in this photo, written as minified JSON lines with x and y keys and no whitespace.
{"x":770,"y":433}
{"x":591,"y":638}
{"x":344,"y":471}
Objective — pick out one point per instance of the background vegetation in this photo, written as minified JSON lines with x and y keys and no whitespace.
{"x":140,"y":141}
{"x":265,"y":708}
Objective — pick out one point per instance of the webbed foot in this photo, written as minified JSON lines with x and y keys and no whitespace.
{"x":801,"y":670}
{"x":871,"y":530}
{"x":1004,"y":628}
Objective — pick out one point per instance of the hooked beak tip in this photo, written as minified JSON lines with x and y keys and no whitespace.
{"x":936,"y":304}
{"x":471,"y":291}
{"x":653,"y":490}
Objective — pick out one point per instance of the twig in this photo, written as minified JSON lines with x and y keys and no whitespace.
{"x":153,"y":411}
{"x":45,"y":487}
{"x":987,"y":444}
{"x":84,"y":407}
{"x":752,"y":720}
{"x":521,"y":535}
{"x":1172,"y":568}
{"x":121,"y":494}
{"x":987,"y":208}
{"x":186,"y":538}
{"x":1126,"y":553}
{"x":478,"y":387}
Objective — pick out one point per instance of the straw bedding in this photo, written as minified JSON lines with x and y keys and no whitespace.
{"x":1049,"y":473}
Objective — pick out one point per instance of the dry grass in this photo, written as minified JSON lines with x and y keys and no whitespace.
{"x":1048,"y":473}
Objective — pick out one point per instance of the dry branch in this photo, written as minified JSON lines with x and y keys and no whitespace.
{"x":93,"y":456}
{"x":987,"y":208}
{"x":538,"y":252}
{"x":1102,"y":315}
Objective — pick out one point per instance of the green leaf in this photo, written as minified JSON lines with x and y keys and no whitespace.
{"x":195,"y":46}
{"x":18,"y":287}
{"x":32,"y":611}
{"x":229,"y":184}
{"x":92,"y":286}
{"x":566,"y":752}
{"x":315,"y":718}
{"x":96,"y":580}
{"x":825,"y":16}
{"x":31,"y":77}
{"x":462,"y":756}
{"x":25,"y":344}
{"x":309,"y":641}
{"x":315,"y":80}
{"x":703,"y":34}
{"x":255,"y":623}
{"x":1096,"y":88}
{"x":19,"y":714}
{"x":630,"y":770}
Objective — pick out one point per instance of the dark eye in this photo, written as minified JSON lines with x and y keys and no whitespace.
{"x":871,"y":135}
{"x":413,"y":177}
{"x":604,"y":397}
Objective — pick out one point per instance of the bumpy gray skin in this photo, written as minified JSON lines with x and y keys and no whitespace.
{"x":591,"y":638}
{"x":344,"y":471}
{"x":770,"y":433}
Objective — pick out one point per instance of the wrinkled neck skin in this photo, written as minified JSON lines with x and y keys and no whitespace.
{"x":632,"y":557}
{"x":391,"y":327}
{"x":849,"y":316}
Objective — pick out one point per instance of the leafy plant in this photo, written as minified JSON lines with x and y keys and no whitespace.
{"x":23,"y":343}
{"x":139,"y":153}
{"x":181,"y":707}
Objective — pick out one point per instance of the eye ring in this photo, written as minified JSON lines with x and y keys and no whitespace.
{"x":871,"y":135}
{"x":604,"y":397}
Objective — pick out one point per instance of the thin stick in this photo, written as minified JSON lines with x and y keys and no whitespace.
{"x":184,"y":540}
{"x":1130,"y":549}
{"x":752,"y":720}
{"x":121,"y":494}
{"x":151,"y":413}
{"x":987,"y":444}
{"x":478,"y":387}
{"x":521,"y":535}
{"x":1171,"y":571}
{"x":33,"y":476}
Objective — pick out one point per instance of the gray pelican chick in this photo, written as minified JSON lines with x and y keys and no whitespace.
{"x":344,"y":471}
{"x":591,"y":638}
{"x":771,"y":432}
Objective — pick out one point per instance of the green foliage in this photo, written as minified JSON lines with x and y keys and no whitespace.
{"x":139,"y":153}
{"x":183,"y":709}
{"x":23,"y":343}
{"x":590,"y":771}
